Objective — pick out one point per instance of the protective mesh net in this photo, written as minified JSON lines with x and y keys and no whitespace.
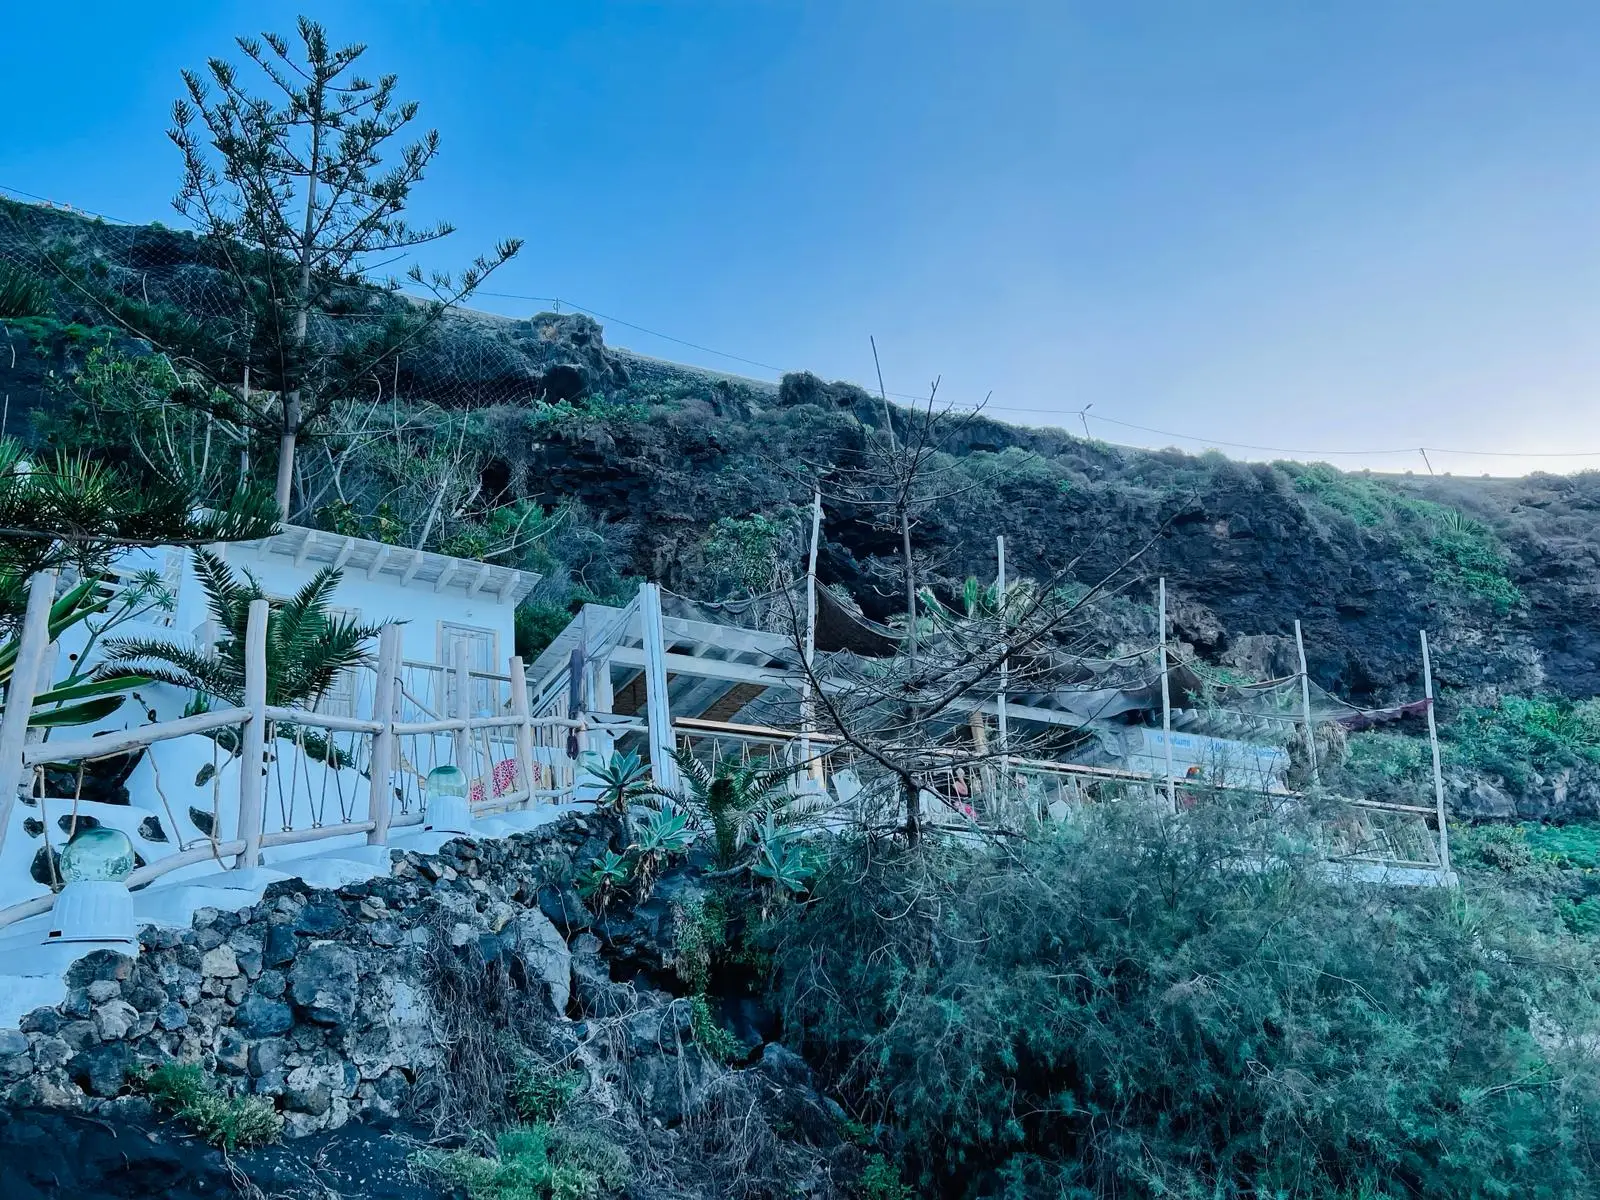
{"x":61,"y":263}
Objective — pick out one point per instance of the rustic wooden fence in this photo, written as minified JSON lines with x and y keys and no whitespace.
{"x":284,"y":776}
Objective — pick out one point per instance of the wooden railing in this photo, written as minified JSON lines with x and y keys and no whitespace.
{"x":319,"y":776}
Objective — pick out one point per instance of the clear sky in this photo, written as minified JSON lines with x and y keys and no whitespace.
{"x":1344,"y":226}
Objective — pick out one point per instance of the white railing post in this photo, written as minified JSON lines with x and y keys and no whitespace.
{"x":463,"y":737}
{"x":1438,"y":774}
{"x":658,"y":711}
{"x":1305,"y":707}
{"x":1166,"y":703}
{"x":19,"y":696}
{"x":253,"y":751}
{"x":380,"y":796}
{"x":519,"y":709}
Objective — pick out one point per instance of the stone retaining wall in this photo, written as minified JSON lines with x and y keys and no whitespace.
{"x":312,"y":997}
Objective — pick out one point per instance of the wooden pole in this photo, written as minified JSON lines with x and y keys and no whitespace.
{"x":658,"y":711}
{"x":1305,"y":708}
{"x":1005,"y":660}
{"x":19,"y":696}
{"x":253,"y":751}
{"x":1166,"y":703}
{"x":463,"y":713}
{"x":1438,"y":771}
{"x":807,"y":714}
{"x":380,"y":795}
{"x":519,"y":709}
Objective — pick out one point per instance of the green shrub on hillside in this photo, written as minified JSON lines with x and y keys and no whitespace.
{"x":1122,"y":1012}
{"x":1520,"y":736}
{"x":1461,"y":555}
{"x":232,"y":1122}
{"x":22,"y":293}
{"x":534,"y":1162}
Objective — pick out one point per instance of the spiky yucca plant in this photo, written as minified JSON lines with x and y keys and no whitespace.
{"x":307,"y":646}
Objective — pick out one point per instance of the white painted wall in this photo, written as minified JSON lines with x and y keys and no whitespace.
{"x":171,"y":782}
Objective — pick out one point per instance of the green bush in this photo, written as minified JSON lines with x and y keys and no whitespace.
{"x":534,"y":1162}
{"x":710,"y":1035}
{"x":1121,"y":1011}
{"x":538,"y":1093}
{"x":22,"y":293}
{"x":1520,"y":736}
{"x":881,"y":1181}
{"x":232,"y":1122}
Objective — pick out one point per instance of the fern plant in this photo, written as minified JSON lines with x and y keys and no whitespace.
{"x":733,"y":796}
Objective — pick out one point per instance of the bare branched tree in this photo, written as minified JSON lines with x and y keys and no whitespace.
{"x":903,"y":714}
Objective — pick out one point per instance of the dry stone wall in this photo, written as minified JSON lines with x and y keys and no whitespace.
{"x":313,"y":998}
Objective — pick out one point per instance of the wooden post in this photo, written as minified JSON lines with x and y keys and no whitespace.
{"x":380,"y":796}
{"x":463,"y":736}
{"x":1166,"y":703}
{"x":253,"y":750}
{"x":1433,"y":742}
{"x":658,"y":711}
{"x":1005,"y":660}
{"x":519,"y":709}
{"x":1305,"y":708}
{"x":807,"y":714}
{"x":19,"y":696}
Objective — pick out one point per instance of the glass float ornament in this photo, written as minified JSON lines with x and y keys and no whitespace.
{"x":445,"y":795}
{"x":94,"y":905}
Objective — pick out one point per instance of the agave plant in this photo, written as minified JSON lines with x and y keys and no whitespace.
{"x":659,"y":837}
{"x":307,"y":646}
{"x":607,"y":875}
{"x":781,"y":866}
{"x":77,"y":700}
{"x":623,"y":780}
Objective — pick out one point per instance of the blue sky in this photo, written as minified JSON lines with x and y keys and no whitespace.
{"x":1325,"y":227}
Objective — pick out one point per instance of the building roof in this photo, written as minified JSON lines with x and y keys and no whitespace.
{"x":420,"y":569}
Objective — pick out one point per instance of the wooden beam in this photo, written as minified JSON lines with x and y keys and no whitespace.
{"x":709,"y":668}
{"x":446,"y":574}
{"x":379,"y":560}
{"x":481,"y":578}
{"x":304,"y":551}
{"x":252,"y":752}
{"x":657,"y":707}
{"x":345,"y":551}
{"x":412,"y":568}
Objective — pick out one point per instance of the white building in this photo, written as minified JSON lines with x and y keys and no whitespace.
{"x":183,"y":791}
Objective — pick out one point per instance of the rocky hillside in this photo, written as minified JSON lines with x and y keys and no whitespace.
{"x":1505,"y":574}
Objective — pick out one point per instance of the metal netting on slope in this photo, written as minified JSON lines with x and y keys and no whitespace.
{"x":77,"y":270}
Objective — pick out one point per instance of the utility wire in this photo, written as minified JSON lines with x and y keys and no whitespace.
{"x":1082,"y":414}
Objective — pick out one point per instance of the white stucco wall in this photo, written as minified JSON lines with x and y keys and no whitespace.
{"x":178,"y":778}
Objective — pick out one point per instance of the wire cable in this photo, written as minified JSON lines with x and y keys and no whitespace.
{"x":1082,"y":414}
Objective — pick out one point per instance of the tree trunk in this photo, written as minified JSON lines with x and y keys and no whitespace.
{"x":913,"y":803}
{"x":286,"y":446}
{"x":290,"y":431}
{"x":911,"y":589}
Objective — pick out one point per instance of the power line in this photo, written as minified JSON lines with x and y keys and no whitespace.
{"x":666,"y":337}
{"x":1082,"y":414}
